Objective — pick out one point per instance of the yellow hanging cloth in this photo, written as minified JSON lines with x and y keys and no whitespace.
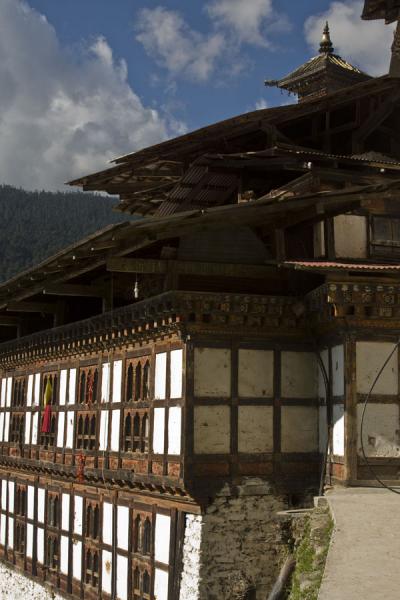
{"x":48,"y":392}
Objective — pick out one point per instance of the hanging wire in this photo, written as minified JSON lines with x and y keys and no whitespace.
{"x":370,"y":468}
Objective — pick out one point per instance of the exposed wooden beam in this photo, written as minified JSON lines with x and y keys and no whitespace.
{"x":180,"y":267}
{"x":375,"y":119}
{"x":32,"y":307}
{"x":70,"y":289}
{"x":6,"y":321}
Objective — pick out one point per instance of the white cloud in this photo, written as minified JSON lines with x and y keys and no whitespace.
{"x":260,"y":104}
{"x":250,"y":20}
{"x":61,"y":115}
{"x":188,"y":53}
{"x":166,"y":37}
{"x":365,"y":43}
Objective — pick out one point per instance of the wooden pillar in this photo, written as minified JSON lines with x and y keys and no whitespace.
{"x":350,"y":410}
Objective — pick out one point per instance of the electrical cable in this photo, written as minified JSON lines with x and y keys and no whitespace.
{"x":327,"y":394}
{"x":370,"y":468}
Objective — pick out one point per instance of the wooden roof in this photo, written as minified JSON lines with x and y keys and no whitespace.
{"x":146,"y":179}
{"x":122,"y":239}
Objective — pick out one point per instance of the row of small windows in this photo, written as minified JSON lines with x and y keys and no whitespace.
{"x":38,"y":531}
{"x":137,"y":386}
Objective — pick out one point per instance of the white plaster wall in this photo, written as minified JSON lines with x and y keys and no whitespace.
{"x":77,"y":559}
{"x":9,"y":391}
{"x":174,"y":430}
{"x":41,"y":502}
{"x":63,"y":386}
{"x":122,"y":527}
{"x":40,"y":544}
{"x":29,"y":392}
{"x":3,"y":391}
{"x":160,"y":384}
{"x":65,"y":512}
{"x":29,"y":540}
{"x":176,"y":373}
{"x":338,"y":370}
{"x":350,"y":233}
{"x":103,"y":434}
{"x":36,"y":398}
{"x":299,"y":374}
{"x":4,"y":495}
{"x":322,"y":428}
{"x":107,"y":523}
{"x":106,"y":571}
{"x":117,"y":381}
{"x":105,"y":382}
{"x":212,"y":429}
{"x":299,"y":429}
{"x":256,"y":429}
{"x":381,"y":431}
{"x":122,"y":577}
{"x":70,"y":429}
{"x":2,"y":530}
{"x":162,"y":538}
{"x":15,"y":586}
{"x":2,"y":427}
{"x":161,"y":585}
{"x":159,"y":430}
{"x":371,"y":357}
{"x":115,"y":424}
{"x":60,"y":429}
{"x":72,"y":386}
{"x":31,"y":501}
{"x":78,"y":514}
{"x":35,"y":424}
{"x":10,"y":543}
{"x":212,"y":372}
{"x":64,"y":554}
{"x":338,"y":429}
{"x":256,"y":373}
{"x":6,"y":426}
{"x":11,"y":489}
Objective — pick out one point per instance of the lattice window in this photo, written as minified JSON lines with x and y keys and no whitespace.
{"x":142,"y":534}
{"x":20,"y":501}
{"x":53,"y":379}
{"x":17,"y":429}
{"x":88,"y":385}
{"x":53,"y":510}
{"x":52,"y":552}
{"x":92,"y":520}
{"x":86,"y":432}
{"x":136,"y":432}
{"x":385,"y":236}
{"x":49,"y":439}
{"x":141,"y":584}
{"x":138,"y":380}
{"x":92,"y":568}
{"x":18,"y":396}
{"x":20,"y":537}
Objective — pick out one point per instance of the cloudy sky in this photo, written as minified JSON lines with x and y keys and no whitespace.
{"x":83,"y":81}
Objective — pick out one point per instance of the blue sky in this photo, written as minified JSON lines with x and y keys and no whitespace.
{"x":82,"y":81}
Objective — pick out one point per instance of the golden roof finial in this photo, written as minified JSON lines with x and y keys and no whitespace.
{"x":326,"y":46}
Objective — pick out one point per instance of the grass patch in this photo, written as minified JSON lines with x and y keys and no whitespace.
{"x":310,"y":553}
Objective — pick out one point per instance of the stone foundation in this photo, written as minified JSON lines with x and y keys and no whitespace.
{"x":234,"y":551}
{"x":15,"y":586}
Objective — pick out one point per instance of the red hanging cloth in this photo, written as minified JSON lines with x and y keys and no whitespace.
{"x":46,"y":421}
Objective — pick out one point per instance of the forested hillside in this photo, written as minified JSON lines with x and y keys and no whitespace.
{"x":34,"y":225}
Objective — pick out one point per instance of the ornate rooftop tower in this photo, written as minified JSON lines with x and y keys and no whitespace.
{"x":322,"y":74}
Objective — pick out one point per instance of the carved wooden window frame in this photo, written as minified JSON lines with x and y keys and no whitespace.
{"x":86,"y":435}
